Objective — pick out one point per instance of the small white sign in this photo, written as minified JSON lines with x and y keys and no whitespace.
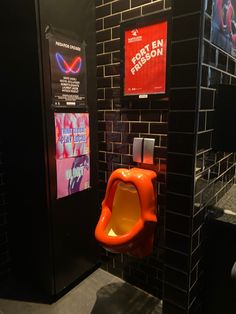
{"x":143,"y":96}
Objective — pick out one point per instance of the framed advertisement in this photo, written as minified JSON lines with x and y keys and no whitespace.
{"x":72,"y":152}
{"x":68,"y":70}
{"x":145,"y":57}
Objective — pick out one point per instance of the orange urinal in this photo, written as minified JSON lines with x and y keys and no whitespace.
{"x":128,"y":217}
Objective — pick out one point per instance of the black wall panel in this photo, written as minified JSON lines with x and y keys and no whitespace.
{"x":52,"y":240}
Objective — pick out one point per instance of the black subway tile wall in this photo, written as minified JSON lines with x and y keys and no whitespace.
{"x":214,"y":171}
{"x":118,"y":126}
{"x":201,"y":176}
{"x":191,"y":176}
{"x":182,"y":229}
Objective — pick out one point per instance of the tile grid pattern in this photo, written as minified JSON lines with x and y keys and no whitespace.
{"x":215,"y":170}
{"x":4,"y":250}
{"x":118,"y":125}
{"x":182,"y":227}
{"x":197,"y":177}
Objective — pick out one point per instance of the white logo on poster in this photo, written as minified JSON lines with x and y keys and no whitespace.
{"x":135,"y":37}
{"x":134,"y":32}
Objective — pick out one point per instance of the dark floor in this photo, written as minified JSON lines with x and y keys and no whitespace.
{"x":100,"y":293}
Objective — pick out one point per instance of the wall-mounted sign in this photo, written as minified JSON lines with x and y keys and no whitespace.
{"x":68,"y":71}
{"x":73,"y":175}
{"x":145,"y":60}
{"x":223,"y":25}
{"x":144,"y":56}
{"x":72,"y":134}
{"x":72,"y":152}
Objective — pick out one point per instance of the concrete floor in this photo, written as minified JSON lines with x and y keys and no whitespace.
{"x":100,"y":293}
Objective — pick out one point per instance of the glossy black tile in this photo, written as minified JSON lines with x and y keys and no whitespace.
{"x":182,"y":7}
{"x":112,"y":20}
{"x":186,"y":27}
{"x":176,"y":278}
{"x":180,"y":164}
{"x":183,"y":99}
{"x":136,"y":3}
{"x":113,"y":69}
{"x":222,"y":61}
{"x":158,"y":128}
{"x":103,"y":11}
{"x":113,"y":137}
{"x":179,"y":204}
{"x":121,"y":148}
{"x":201,"y":121}
{"x":178,"y":223}
{"x":104,"y":59}
{"x":231,"y":66}
{"x":139,"y":127}
{"x":153,"y":7}
{"x":185,"y":52}
{"x":131,"y":14}
{"x":177,"y":260}
{"x":177,"y":296}
{"x":151,"y":115}
{"x":183,"y":122}
{"x":180,"y":184}
{"x":207,"y":98}
{"x":103,"y":35}
{"x":204,"y":141}
{"x":119,"y":6}
{"x":112,"y":45}
{"x":103,"y":82}
{"x":184,"y":76}
{"x":207,"y":29}
{"x":178,"y":242}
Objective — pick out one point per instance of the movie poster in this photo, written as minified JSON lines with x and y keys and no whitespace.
{"x":145,"y":59}
{"x":72,"y":152}
{"x":223,"y":25}
{"x":73,"y":175}
{"x":68,"y":71}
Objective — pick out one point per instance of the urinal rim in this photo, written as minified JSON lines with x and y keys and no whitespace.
{"x":107,"y":203}
{"x":119,"y":240}
{"x":129,"y":176}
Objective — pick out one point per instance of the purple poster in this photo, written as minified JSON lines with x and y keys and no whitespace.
{"x":73,"y":175}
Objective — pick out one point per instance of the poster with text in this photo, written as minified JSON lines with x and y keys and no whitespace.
{"x":145,"y":58}
{"x":73,"y":175}
{"x":71,"y":134}
{"x":68,"y":71}
{"x":223,"y":25}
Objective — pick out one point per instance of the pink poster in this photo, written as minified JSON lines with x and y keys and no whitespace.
{"x":73,"y":175}
{"x":72,"y":134}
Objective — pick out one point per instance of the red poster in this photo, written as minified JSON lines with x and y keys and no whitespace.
{"x":145,"y":60}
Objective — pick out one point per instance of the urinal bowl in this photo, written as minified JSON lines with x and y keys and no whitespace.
{"x":128,"y":218}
